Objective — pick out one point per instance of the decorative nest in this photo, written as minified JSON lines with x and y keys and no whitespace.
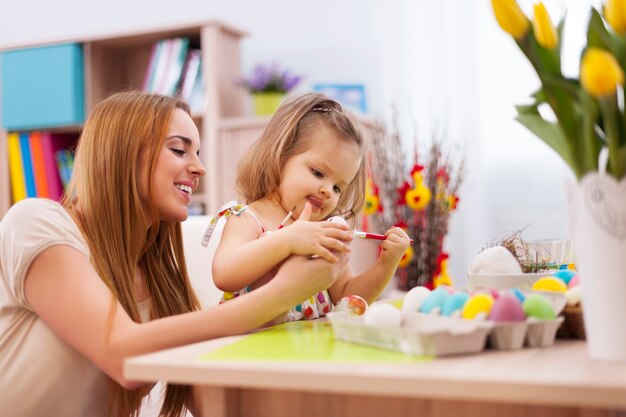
{"x":519,"y":249}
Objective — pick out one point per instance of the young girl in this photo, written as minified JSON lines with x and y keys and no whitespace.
{"x":307,"y":166}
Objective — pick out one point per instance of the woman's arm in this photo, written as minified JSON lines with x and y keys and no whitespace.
{"x":371,"y":283}
{"x":241,"y":258}
{"x":65,"y":291}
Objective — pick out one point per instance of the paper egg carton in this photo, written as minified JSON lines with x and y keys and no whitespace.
{"x":419,"y":334}
{"x":531,"y":333}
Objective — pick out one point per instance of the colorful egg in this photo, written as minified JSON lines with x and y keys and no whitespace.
{"x":573,"y":296}
{"x":338,"y":220}
{"x":539,"y":307}
{"x":564,"y":275}
{"x":575,"y":281}
{"x":518,"y":294}
{"x":507,"y":308}
{"x":453,"y":303}
{"x":382,"y":315}
{"x":414,"y":299}
{"x":549,"y":283}
{"x":477,"y":307}
{"x":434,"y":302}
{"x":353,"y":304}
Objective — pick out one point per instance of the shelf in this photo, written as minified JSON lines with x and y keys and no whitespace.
{"x":119,"y":62}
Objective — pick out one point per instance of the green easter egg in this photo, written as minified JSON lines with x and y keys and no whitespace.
{"x":539,"y":307}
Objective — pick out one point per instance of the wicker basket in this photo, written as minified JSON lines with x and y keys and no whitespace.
{"x":573,"y":327}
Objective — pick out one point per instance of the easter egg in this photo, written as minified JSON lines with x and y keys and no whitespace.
{"x":383,"y":315}
{"x":564,"y":275}
{"x":575,"y":281}
{"x":434,"y":301}
{"x":507,"y":308}
{"x":454,"y":302}
{"x":414,"y":299}
{"x":353,"y":304}
{"x":338,"y":220}
{"x":573,"y":296}
{"x":518,"y":294}
{"x":539,"y":307}
{"x":478,"y":306}
{"x":549,"y":283}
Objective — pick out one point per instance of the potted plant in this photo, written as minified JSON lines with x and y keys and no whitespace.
{"x":268,"y":85}
{"x":588,"y":130}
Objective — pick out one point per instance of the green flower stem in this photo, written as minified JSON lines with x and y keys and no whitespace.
{"x":608,"y":107}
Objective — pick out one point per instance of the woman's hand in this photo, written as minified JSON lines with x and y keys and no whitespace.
{"x":300,"y":277}
{"x":394,"y":246}
{"x":324,"y":239}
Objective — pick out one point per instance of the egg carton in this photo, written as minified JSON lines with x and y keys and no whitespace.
{"x":419,"y":334}
{"x":531,"y":333}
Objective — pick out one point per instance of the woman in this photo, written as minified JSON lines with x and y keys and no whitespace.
{"x":101,"y":277}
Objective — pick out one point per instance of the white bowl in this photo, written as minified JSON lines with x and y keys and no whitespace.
{"x":504,"y":281}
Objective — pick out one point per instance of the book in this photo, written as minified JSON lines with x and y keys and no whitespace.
{"x":154,"y":56}
{"x":16,"y":170}
{"x":191,"y":73}
{"x":65,"y":164}
{"x":175,"y":69}
{"x":29,"y":178}
{"x":39,"y":165}
{"x":51,"y":144}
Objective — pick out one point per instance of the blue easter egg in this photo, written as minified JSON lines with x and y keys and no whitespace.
{"x":453,"y":303}
{"x":435,"y":299}
{"x":518,"y":294}
{"x":564,"y":275}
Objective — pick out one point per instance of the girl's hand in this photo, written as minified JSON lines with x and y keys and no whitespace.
{"x":394,"y":246}
{"x":317,"y":238}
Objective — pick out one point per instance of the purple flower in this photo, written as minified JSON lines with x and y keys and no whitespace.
{"x":270,"y":79}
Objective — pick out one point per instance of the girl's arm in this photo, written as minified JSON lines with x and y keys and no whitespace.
{"x":371,"y":283}
{"x":66,"y":292}
{"x":241,"y":258}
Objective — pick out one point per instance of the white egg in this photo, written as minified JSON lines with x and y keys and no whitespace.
{"x":414,"y":299}
{"x":338,"y":220}
{"x":496,"y":260}
{"x":383,"y":315}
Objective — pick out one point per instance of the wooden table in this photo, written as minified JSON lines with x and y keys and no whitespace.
{"x":557,"y":381}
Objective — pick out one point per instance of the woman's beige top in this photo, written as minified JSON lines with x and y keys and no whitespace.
{"x":40,"y":374}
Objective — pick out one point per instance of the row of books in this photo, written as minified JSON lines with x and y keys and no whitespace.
{"x":40,"y":163}
{"x":175,"y":69}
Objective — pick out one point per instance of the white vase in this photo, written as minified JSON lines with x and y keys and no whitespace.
{"x":598,"y":224}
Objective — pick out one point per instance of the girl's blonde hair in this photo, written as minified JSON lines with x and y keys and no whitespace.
{"x":104,"y":197}
{"x":286,"y":135}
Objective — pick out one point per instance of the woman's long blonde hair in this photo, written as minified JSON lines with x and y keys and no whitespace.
{"x":287,"y":135}
{"x":104,"y":198}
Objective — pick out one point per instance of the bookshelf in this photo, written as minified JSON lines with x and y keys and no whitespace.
{"x":119,"y":62}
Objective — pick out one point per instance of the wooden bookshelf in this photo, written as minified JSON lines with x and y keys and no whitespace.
{"x":119,"y":62}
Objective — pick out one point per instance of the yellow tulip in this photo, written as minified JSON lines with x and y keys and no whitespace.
{"x":543,"y":27}
{"x":510,"y":18}
{"x":615,"y":14}
{"x":600,"y":74}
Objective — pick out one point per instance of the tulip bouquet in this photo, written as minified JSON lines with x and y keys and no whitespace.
{"x":590,"y":113}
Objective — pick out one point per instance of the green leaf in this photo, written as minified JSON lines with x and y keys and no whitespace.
{"x":550,"y":133}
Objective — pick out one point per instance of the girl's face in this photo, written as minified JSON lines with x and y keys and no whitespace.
{"x":320,"y":174}
{"x":177,"y":170}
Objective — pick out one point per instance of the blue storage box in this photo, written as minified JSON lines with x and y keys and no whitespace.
{"x":42,"y":87}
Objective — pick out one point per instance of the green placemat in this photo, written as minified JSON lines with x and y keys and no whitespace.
{"x":304,"y":341}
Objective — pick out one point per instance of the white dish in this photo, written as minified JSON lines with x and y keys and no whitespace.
{"x":504,"y":281}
